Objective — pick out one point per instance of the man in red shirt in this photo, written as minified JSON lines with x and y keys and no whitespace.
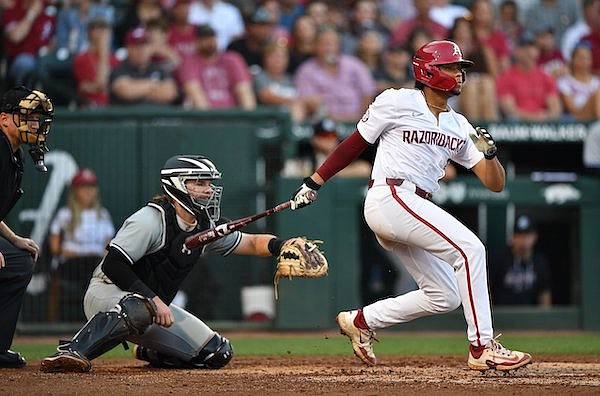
{"x":28,"y":26}
{"x":182,"y":34}
{"x":92,"y":67}
{"x":215,"y":80}
{"x":525,"y":91}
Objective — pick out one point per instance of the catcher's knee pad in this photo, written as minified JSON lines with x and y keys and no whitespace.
{"x":138,"y":312}
{"x":215,"y":354}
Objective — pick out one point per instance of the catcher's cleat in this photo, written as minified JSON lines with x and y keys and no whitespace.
{"x":66,"y":362}
{"x":362,"y":339}
{"x":495,"y":357}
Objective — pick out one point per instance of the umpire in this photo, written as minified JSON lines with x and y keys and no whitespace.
{"x":25,"y":117}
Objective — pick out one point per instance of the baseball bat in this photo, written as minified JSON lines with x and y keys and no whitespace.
{"x":212,"y":234}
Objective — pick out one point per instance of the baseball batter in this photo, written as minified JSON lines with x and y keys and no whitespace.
{"x":130,"y":293}
{"x":418,"y":133}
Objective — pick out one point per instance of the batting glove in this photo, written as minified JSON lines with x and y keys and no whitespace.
{"x":305,"y":194}
{"x":484,"y":142}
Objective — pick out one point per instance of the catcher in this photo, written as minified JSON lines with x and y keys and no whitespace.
{"x":130,"y":293}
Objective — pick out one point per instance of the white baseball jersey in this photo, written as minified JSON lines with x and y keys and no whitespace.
{"x":413,"y":145}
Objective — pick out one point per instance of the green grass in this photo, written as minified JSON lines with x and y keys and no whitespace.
{"x":390,"y":344}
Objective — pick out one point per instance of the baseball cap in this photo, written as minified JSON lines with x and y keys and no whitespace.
{"x":261,"y":15}
{"x":526,"y":39}
{"x":205,"y":31}
{"x":12,"y":98}
{"x":138,"y":35}
{"x":325,"y":128}
{"x":84,"y":177}
{"x":524,"y":224}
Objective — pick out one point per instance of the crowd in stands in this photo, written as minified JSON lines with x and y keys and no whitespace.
{"x":535,"y":60}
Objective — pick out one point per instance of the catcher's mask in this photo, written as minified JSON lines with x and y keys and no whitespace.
{"x":32,"y":113}
{"x":183,"y":168}
{"x":436,"y":53}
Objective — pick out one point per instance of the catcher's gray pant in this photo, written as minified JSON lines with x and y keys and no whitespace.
{"x":184,"y":339}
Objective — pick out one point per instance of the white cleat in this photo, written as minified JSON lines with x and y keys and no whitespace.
{"x":493,"y":356}
{"x":362,"y":340}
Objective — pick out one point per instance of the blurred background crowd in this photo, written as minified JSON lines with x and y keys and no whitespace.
{"x":535,"y":60}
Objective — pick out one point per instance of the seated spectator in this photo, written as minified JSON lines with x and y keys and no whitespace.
{"x":260,"y":28}
{"x":556,"y":14}
{"x":92,"y":67}
{"x":182,"y":34}
{"x":509,"y":21}
{"x":164,"y":55}
{"x":477,"y":100}
{"x":580,"y":89}
{"x":302,"y":42}
{"x":445,"y":12}
{"x":324,"y":140}
{"x":225,"y":19}
{"x":368,"y":49}
{"x":79,"y":234}
{"x":525,"y":91}
{"x":488,"y":33}
{"x":574,"y":34}
{"x":28,"y":27}
{"x":519,"y":274}
{"x":289,"y":12}
{"x":342,"y":82}
{"x":422,"y":19}
{"x":317,"y":10}
{"x":551,"y":59}
{"x":364,"y":17}
{"x":213,"y":79}
{"x":593,"y":37}
{"x":394,"y":71}
{"x":137,"y":81}
{"x":274,"y":86}
{"x":137,"y":14}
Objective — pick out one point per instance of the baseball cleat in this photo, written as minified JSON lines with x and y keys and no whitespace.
{"x":66,"y":362}
{"x":493,"y":356}
{"x":362,"y":339}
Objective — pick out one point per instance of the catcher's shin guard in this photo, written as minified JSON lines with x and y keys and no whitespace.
{"x":105,"y":330}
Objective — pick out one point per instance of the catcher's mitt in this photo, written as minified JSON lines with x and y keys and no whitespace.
{"x":300,"y":257}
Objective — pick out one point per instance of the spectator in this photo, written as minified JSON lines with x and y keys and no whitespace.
{"x":302,"y":44}
{"x":79,"y":234}
{"x":259,"y":32}
{"x":342,"y":82}
{"x":401,"y":33}
{"x":445,"y":12}
{"x":138,"y":13}
{"x":213,"y":79}
{"x":477,"y":100}
{"x":323,"y":141}
{"x":317,"y":10}
{"x":394,"y":70}
{"x":416,"y":39}
{"x":364,"y":17}
{"x":525,"y":91}
{"x":226,"y":20}
{"x":395,"y":12}
{"x":369,"y":48}
{"x":520,"y":275}
{"x":488,"y":34}
{"x":594,"y":39}
{"x":580,"y":90}
{"x":92,"y":67}
{"x":274,"y":86}
{"x":137,"y":81}
{"x":551,"y":59}
{"x":182,"y":34}
{"x":289,"y":12}
{"x":574,"y":34}
{"x":509,"y":22}
{"x":164,"y":56}
{"x":28,"y":27}
{"x":556,"y":14}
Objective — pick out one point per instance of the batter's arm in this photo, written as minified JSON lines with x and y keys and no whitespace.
{"x":491,"y":173}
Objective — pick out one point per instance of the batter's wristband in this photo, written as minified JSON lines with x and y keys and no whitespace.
{"x":275,"y":245}
{"x":310,"y":183}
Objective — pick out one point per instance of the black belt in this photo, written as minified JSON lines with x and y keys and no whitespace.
{"x":398,"y":182}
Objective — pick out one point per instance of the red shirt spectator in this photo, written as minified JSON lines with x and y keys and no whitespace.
{"x":39,"y":17}
{"x":182,"y":34}
{"x":402,"y":31}
{"x":594,"y":40}
{"x":85,"y":68}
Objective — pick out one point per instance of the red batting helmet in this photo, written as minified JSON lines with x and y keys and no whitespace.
{"x":434,"y":54}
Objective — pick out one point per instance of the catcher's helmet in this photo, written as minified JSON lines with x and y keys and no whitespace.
{"x":434,"y":54}
{"x":181,"y":168}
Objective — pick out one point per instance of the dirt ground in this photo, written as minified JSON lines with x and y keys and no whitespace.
{"x":300,"y":375}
